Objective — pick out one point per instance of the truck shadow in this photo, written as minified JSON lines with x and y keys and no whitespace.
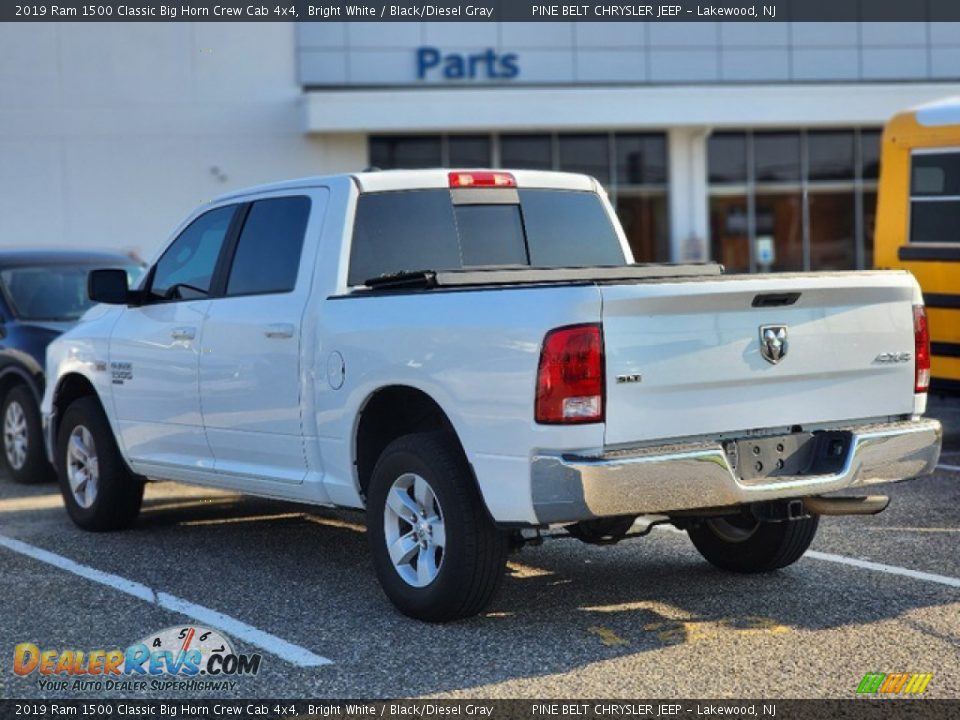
{"x":562,"y":606}
{"x":304,"y":574}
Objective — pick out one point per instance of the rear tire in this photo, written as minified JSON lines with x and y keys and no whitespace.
{"x":98,"y":489}
{"x":745,"y":545}
{"x":23,"y":455}
{"x":448,"y":557}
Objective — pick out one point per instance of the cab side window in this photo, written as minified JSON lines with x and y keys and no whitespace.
{"x":268,"y":251}
{"x":185,"y":270}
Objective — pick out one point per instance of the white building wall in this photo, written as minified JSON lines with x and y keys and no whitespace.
{"x":638,"y":53}
{"x":111,"y":133}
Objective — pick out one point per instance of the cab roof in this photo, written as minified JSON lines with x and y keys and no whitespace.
{"x":389,"y":180}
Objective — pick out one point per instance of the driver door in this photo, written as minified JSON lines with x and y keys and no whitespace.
{"x":155,"y":354}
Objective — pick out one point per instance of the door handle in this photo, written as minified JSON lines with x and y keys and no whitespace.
{"x":183,"y":333}
{"x":279,"y":330}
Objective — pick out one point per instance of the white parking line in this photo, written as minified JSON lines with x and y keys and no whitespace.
{"x":865,"y":565}
{"x":293,"y":654}
{"x":889,"y":569}
{"x":952,"y":468}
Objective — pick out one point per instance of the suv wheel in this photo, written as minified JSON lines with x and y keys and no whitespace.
{"x":99,"y":491}
{"x":23,"y":454}
{"x":437,"y":554}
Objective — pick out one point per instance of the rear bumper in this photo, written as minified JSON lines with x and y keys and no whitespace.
{"x":690,"y":476}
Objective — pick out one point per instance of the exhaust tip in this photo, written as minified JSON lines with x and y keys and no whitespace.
{"x":869,"y":505}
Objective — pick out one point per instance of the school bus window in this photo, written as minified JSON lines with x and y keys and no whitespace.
{"x":935,"y":197}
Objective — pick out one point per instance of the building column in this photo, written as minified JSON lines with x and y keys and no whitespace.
{"x":689,"y":222}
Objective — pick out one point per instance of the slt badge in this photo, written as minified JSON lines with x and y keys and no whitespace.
{"x":773,"y":343}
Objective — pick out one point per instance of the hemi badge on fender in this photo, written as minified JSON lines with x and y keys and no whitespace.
{"x":635,"y":378}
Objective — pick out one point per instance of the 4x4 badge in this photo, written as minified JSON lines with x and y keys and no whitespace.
{"x":773,"y":343}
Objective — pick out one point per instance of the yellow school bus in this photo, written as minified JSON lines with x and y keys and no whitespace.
{"x":918,"y":220}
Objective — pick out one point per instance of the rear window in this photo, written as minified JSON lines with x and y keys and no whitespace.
{"x":424,"y":230}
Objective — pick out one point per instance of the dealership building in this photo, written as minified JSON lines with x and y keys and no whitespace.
{"x":753,"y":144}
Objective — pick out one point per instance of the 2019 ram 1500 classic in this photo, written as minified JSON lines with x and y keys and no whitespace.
{"x":472,"y":357}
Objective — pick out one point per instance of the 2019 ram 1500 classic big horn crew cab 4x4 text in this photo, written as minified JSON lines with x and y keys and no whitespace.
{"x":471,"y":356}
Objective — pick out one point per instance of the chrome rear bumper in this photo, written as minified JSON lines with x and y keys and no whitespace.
{"x":690,"y":476}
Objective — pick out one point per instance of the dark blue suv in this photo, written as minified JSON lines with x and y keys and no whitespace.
{"x":43,"y":293}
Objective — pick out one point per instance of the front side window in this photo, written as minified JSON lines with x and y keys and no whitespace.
{"x":268,"y":252}
{"x":185,"y":270}
{"x":935,"y":197}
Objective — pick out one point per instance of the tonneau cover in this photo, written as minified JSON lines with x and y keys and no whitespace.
{"x":523,"y":275}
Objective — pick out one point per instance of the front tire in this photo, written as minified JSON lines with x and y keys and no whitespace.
{"x":744,"y":544}
{"x":437,"y":554}
{"x":98,"y":489}
{"x":23,"y":456}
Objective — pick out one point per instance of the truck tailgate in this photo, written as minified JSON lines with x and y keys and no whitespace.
{"x":684,"y":358}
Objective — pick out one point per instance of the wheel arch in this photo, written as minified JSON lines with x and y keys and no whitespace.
{"x":14,"y":375}
{"x":70,"y":387}
{"x":388,"y":413}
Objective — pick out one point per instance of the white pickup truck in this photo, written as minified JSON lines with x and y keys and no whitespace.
{"x":473,"y":358}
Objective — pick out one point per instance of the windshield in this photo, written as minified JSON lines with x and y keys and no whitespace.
{"x":52,"y":292}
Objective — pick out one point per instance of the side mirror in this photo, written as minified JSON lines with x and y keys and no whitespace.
{"x":108,"y":286}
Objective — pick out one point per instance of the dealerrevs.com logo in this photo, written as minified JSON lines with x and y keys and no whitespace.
{"x":177,"y":658}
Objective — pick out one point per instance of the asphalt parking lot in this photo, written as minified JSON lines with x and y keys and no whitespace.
{"x":645,"y":618}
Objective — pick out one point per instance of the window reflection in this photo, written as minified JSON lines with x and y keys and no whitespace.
{"x":788,"y":200}
{"x":641,"y":159}
{"x":830,"y":155}
{"x":776,"y":156}
{"x":589,"y":154}
{"x":778,"y":218}
{"x":644,"y":220}
{"x":832,"y":220}
{"x":729,"y":232}
{"x":533,"y":152}
{"x":469,"y":151}
{"x":727,"y":156}
{"x":406,"y":152}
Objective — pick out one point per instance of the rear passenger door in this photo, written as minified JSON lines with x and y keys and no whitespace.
{"x":251,"y":361}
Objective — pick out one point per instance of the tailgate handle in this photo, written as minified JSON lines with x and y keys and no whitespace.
{"x":765,"y":300}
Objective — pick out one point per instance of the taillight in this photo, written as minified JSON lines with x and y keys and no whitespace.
{"x":570,"y":378}
{"x":921,"y":349}
{"x":481,"y":179}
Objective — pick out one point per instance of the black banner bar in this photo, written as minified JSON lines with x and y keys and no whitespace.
{"x":856,"y":708}
{"x":481,"y":11}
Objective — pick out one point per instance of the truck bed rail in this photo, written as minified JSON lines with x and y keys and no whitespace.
{"x":522,"y":275}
